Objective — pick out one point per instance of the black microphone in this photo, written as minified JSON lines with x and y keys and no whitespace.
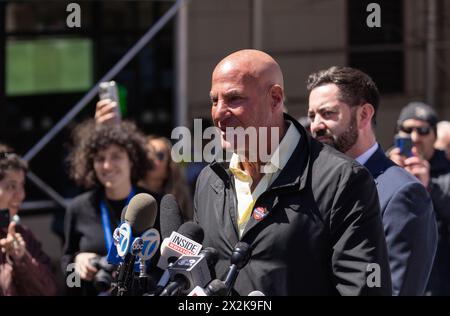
{"x":170,"y":217}
{"x":191,"y":271}
{"x":216,"y":288}
{"x":212,"y":256}
{"x":140,"y":215}
{"x":179,"y":243}
{"x":186,"y":241}
{"x":239,"y":258}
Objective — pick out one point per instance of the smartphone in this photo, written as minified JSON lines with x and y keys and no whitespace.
{"x":405,"y":145}
{"x":109,"y":90}
{"x":4,"y":218}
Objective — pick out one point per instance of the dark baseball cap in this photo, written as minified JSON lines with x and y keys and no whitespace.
{"x":418,"y":111}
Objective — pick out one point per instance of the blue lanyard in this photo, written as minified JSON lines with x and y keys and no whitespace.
{"x":106,"y":223}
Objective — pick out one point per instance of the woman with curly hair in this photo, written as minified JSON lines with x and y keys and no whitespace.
{"x":108,"y":160}
{"x":166,"y":176}
{"x":24,"y":268}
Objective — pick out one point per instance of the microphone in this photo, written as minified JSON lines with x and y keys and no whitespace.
{"x":170,"y":217}
{"x":191,"y":271}
{"x":256,"y":293}
{"x":215,"y":288}
{"x":141,"y":213}
{"x":122,"y":215}
{"x":187,"y":240}
{"x":239,"y":258}
{"x":139,"y":218}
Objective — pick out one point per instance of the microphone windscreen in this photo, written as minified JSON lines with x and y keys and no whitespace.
{"x":141,"y":213}
{"x":217,"y":288}
{"x":212,"y":256}
{"x":256,"y":293}
{"x":122,"y":215}
{"x":192,"y":231}
{"x":241,"y":254}
{"x":170,"y":218}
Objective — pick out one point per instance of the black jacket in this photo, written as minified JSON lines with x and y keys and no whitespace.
{"x":322,"y":233}
{"x":439,"y":188}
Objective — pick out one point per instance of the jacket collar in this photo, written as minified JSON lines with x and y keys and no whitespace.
{"x":378,"y":163}
{"x":300,"y":158}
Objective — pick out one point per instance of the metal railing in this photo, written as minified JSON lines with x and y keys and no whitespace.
{"x":77,"y":108}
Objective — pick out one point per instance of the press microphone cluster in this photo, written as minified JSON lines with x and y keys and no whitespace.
{"x":239,"y":258}
{"x":188,"y":269}
{"x":186,"y":241}
{"x":135,"y":242}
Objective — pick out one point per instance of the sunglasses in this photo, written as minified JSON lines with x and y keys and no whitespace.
{"x":425,"y":130}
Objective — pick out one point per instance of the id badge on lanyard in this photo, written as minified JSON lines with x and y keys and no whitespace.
{"x":106,"y":222}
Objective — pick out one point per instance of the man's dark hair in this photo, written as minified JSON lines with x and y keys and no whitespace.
{"x":89,"y":138}
{"x":356,"y":87}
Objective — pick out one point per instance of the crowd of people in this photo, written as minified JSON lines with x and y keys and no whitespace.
{"x":331,"y":204}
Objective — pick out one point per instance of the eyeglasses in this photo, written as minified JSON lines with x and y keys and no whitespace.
{"x":425,"y":130}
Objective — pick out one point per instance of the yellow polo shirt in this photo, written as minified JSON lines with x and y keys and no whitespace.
{"x":243,"y":182}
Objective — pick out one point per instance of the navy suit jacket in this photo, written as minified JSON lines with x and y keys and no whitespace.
{"x":409,"y":224}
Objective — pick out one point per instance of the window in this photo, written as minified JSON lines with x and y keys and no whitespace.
{"x":378,"y":51}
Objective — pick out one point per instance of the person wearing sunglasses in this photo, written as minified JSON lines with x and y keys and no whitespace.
{"x":343,"y":107}
{"x":166,"y":176}
{"x":431,"y":166}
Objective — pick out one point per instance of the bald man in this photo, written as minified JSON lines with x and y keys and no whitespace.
{"x":310,"y":214}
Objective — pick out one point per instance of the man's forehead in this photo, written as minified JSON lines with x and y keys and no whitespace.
{"x":325,"y":96}
{"x":414,"y":122}
{"x":233,"y":80}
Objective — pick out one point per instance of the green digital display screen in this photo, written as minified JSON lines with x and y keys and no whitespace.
{"x":43,"y":66}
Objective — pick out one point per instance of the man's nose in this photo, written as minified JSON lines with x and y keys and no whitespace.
{"x":222,"y":108}
{"x":317,"y":124}
{"x":415,"y":136}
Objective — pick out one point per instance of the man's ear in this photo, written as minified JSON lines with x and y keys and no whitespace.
{"x":277,"y":96}
{"x":365,"y":114}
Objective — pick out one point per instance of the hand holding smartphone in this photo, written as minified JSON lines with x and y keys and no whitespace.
{"x":405,"y":145}
{"x":107,"y":111}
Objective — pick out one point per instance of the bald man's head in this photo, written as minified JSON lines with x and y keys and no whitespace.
{"x":247,"y":91}
{"x":253,"y":64}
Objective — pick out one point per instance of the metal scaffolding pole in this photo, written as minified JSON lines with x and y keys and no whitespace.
{"x":181,"y":64}
{"x":110,"y":75}
{"x":431,"y":40}
{"x":144,"y":40}
{"x":257,"y":25}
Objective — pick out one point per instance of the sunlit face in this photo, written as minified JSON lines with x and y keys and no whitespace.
{"x":112,"y":167}
{"x":12,"y":190}
{"x":237,"y":101}
{"x":160,"y":157}
{"x":422,"y":136}
{"x":332,"y":121}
